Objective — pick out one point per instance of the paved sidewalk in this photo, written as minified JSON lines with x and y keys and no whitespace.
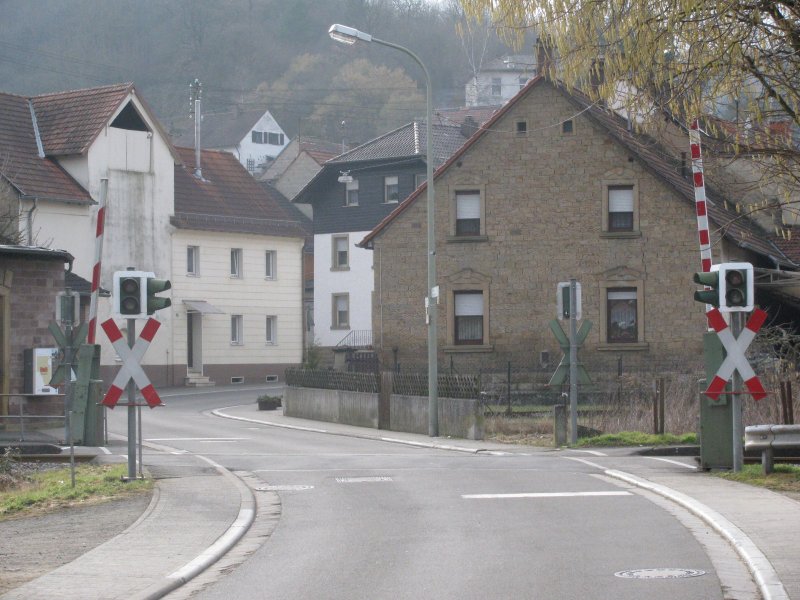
{"x":197,"y":513}
{"x":761,"y":525}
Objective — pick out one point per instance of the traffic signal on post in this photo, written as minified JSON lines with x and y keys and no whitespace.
{"x":736,"y":288}
{"x":129,"y":294}
{"x":729,"y":287}
{"x":710,"y":279}
{"x":156,"y":286}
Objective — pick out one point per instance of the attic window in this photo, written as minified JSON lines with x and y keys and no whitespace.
{"x":522,"y":128}
{"x":129,"y":118}
{"x":567,"y":127}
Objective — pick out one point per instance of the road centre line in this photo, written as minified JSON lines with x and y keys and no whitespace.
{"x":542,"y":495}
{"x":674,"y":462}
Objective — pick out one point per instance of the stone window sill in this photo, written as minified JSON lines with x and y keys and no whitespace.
{"x":459,"y":239}
{"x":620,"y":235}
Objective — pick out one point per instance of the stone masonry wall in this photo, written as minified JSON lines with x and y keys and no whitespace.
{"x":543,"y":204}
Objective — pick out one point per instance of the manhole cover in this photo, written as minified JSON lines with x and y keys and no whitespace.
{"x":659,"y":573}
{"x":361,"y":479}
{"x":284,"y":488}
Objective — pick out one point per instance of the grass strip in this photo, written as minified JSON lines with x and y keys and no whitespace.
{"x":51,"y":490}
{"x":785,"y":478}
{"x":638,"y":438}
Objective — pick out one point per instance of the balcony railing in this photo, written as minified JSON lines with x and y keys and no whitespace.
{"x":358,"y":338}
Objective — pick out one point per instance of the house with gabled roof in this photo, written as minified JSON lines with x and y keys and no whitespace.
{"x":553,"y":187}
{"x":298,"y":163}
{"x":237,"y":274}
{"x":253,"y":136}
{"x":350,"y":195}
{"x":57,"y":148}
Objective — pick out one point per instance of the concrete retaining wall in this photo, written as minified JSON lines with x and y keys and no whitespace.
{"x":457,"y":417}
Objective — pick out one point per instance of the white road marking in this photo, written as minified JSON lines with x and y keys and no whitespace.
{"x":104,"y":450}
{"x":197,"y":439}
{"x":674,"y":462}
{"x":593,"y":452}
{"x":542,"y":495}
{"x":586,"y":462}
{"x":362,"y":479}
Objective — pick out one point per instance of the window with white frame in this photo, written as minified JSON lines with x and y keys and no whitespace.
{"x":468,"y":317}
{"x":236,"y":262}
{"x":468,"y":213}
{"x":391,"y":189}
{"x":341,"y":311}
{"x":270,"y":264}
{"x":275,"y":139}
{"x":237,"y":330}
{"x":341,"y":252}
{"x":257,"y":137}
{"x":351,"y":193}
{"x":420,"y":178}
{"x":192,"y":260}
{"x":272,"y":330}
{"x":620,"y":208}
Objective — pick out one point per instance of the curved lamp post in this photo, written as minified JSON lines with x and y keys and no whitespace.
{"x":349,"y":35}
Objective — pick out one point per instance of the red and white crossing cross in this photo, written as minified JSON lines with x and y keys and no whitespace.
{"x":131,"y":367}
{"x":736,"y":360}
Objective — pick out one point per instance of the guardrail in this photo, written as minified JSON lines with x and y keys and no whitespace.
{"x":768,"y":437}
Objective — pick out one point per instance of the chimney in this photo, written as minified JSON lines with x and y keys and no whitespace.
{"x":544,"y":57}
{"x":597,"y":74}
{"x":468,"y":126}
{"x":196,"y":92}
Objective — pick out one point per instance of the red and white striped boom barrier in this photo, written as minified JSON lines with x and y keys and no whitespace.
{"x":98,"y":257}
{"x":131,"y":367}
{"x":700,"y":197}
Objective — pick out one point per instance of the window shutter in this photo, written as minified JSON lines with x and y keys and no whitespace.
{"x":622,"y":295}
{"x":468,"y":206}
{"x":469,"y":305}
{"x":620,"y":199}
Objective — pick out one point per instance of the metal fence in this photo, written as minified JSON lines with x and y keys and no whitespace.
{"x":22,"y":425}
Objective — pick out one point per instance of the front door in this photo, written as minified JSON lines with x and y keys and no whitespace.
{"x":194,"y":342}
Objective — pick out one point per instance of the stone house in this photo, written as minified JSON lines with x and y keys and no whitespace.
{"x":554,"y":187}
{"x":30,"y":279}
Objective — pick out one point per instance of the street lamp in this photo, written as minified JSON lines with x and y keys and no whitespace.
{"x":350,"y":35}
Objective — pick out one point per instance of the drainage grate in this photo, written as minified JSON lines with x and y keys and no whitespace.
{"x":659,"y":573}
{"x":361,"y":479}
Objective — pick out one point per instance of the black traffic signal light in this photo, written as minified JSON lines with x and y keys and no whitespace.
{"x":710,"y":280}
{"x":156,"y":286}
{"x":129,"y":294}
{"x":736,"y":287}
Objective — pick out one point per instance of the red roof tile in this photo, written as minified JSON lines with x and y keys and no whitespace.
{"x":21,"y":165}
{"x":227,"y":198}
{"x":70,"y":121}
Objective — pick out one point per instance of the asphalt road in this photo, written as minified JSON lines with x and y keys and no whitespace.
{"x":370,"y":519}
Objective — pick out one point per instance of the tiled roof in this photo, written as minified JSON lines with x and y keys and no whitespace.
{"x":227,"y":199}
{"x":218,"y":130}
{"x":408,"y":140}
{"x":320,"y":150}
{"x":70,"y":121}
{"x":21,"y":164}
{"x":734,"y":227}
